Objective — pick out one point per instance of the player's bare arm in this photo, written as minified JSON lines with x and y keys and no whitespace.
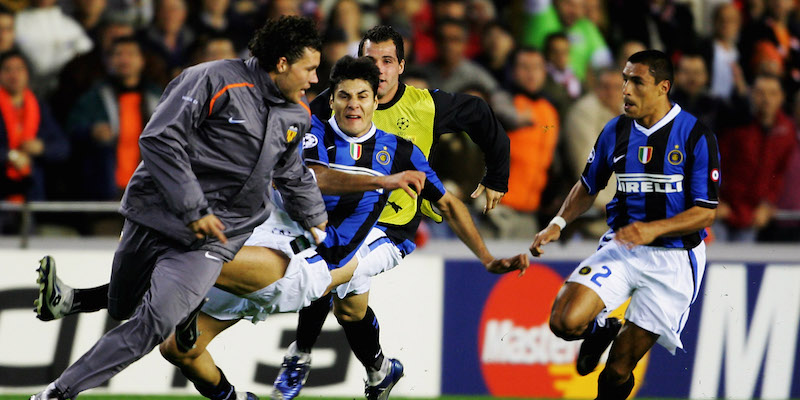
{"x":640,"y":233}
{"x":338,"y":182}
{"x":578,"y":201}
{"x":457,"y":216}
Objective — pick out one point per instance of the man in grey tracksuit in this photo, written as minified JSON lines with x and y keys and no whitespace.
{"x":220,"y":134}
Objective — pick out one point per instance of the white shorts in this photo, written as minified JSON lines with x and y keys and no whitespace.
{"x":376,"y":255}
{"x":662,"y":284}
{"x":303,"y":283}
{"x":277,"y":232}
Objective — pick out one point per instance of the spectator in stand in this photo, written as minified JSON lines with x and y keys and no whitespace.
{"x":169,"y":38}
{"x":664,"y":25}
{"x":106,"y":122}
{"x":556,"y":53}
{"x":89,"y":14}
{"x":211,"y":21}
{"x":773,"y":36}
{"x":416,"y":18}
{"x":49,"y":39}
{"x":214,"y":48}
{"x":30,"y":138}
{"x":416,"y":77}
{"x":788,"y":230}
{"x":532,"y":149}
{"x":7,"y":36}
{"x":582,"y":124}
{"x":756,"y":157}
{"x":83,"y":71}
{"x":346,"y":16}
{"x":562,"y":87}
{"x":727,"y":78}
{"x":597,"y":13}
{"x":627,"y":49}
{"x":452,"y":71}
{"x":691,"y":90}
{"x":498,"y":45}
{"x":335,"y":45}
{"x":588,"y":47}
{"x":139,"y":12}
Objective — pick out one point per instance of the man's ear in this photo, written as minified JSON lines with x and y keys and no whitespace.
{"x":665,"y":85}
{"x":282,"y":66}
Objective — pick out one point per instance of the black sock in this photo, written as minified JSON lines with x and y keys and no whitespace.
{"x":364,"y":339}
{"x":607,"y":391}
{"x":309,"y":324}
{"x":89,"y":300}
{"x":222,"y":391}
{"x":591,"y":329}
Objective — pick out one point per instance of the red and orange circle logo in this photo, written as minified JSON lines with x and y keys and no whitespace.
{"x":520,"y":356}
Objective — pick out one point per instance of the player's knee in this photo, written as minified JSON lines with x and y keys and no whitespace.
{"x":567,"y":326}
{"x":169,"y":350}
{"x":348,"y":315}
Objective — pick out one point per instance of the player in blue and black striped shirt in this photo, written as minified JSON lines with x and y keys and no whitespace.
{"x":667,"y":169}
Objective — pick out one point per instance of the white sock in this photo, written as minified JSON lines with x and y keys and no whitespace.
{"x":376,"y":377}
{"x":293,"y":351}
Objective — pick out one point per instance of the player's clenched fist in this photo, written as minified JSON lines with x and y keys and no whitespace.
{"x":549,"y":234}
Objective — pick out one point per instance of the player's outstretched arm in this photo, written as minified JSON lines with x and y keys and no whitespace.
{"x":457,"y":216}
{"x":578,"y":201}
{"x":337,"y":182}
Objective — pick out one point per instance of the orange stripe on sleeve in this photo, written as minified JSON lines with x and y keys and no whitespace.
{"x":232,"y":85}
{"x":306,"y":107}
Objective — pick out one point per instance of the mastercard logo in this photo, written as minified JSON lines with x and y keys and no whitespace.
{"x":519,"y":355}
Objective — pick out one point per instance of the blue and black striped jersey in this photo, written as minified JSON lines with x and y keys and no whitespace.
{"x":661,"y":171}
{"x":377,"y":153}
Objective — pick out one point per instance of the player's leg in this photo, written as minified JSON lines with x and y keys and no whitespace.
{"x":379,"y":254}
{"x":574,"y":311}
{"x":600,"y":284}
{"x":617,"y":380}
{"x":197,"y":364}
{"x":297,"y":361}
{"x":253,"y":268}
{"x":57,"y":299}
{"x":179,"y":281}
{"x":363,"y":334}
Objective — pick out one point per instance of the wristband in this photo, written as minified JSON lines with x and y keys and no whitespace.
{"x":558,"y":220}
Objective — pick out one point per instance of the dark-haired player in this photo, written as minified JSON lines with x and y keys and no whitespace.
{"x":667,"y":169}
{"x":208,"y":156}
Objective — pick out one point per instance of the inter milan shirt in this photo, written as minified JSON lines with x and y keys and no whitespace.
{"x":661,"y":171}
{"x":351,"y":216}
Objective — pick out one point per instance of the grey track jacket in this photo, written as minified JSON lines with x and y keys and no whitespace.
{"x":220,"y":133}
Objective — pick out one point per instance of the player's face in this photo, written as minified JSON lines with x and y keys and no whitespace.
{"x":353,"y":103}
{"x":385,"y":56}
{"x":294,"y":79}
{"x":641,"y":94}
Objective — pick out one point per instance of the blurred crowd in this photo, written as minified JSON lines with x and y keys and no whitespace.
{"x":80,"y":78}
